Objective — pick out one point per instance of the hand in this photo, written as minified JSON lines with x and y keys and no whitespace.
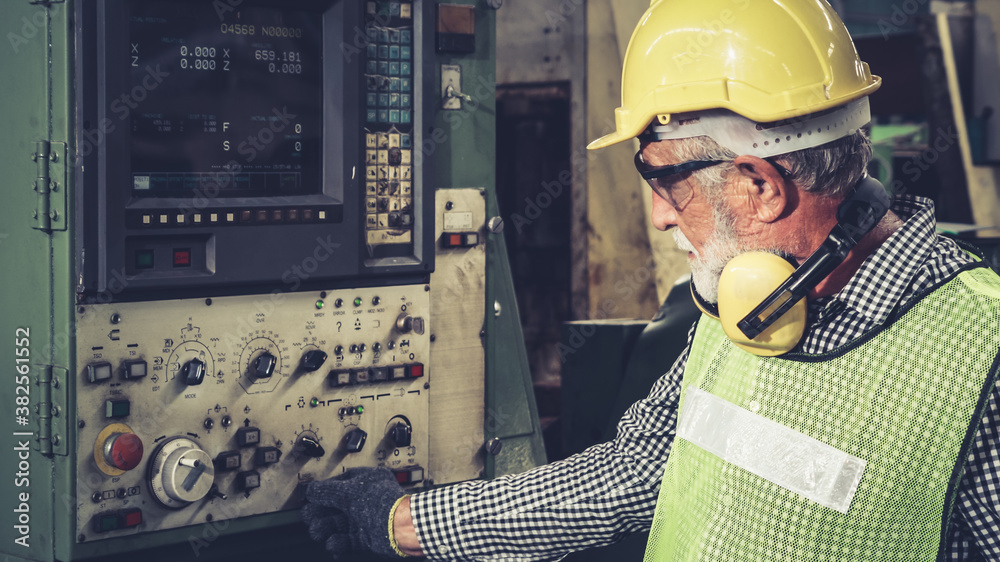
{"x":350,"y":512}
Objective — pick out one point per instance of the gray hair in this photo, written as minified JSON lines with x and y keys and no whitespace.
{"x":829,"y":170}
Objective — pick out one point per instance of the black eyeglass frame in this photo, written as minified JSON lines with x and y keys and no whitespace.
{"x":650,"y":174}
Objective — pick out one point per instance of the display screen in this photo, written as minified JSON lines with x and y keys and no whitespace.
{"x":223,"y":102}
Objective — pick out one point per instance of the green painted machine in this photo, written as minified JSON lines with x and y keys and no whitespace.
{"x":247,"y":244}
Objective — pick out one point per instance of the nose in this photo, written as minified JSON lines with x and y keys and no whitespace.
{"x":664,"y":215}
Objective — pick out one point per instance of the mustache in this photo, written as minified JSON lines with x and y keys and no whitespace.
{"x":682,"y":242}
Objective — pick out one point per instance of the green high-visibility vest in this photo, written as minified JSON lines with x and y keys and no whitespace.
{"x":899,"y":407}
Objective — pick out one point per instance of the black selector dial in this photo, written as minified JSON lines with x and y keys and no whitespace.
{"x":401,"y":434}
{"x":313,"y":360}
{"x":310,"y":447}
{"x":263,"y":366}
{"x":193,"y":372}
{"x":355,"y":439}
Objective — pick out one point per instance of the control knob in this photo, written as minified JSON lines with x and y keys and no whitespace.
{"x":313,"y":360}
{"x":401,"y":434}
{"x":310,"y":447}
{"x":193,"y":372}
{"x":263,"y":366}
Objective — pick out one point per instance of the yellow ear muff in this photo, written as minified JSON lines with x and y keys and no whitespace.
{"x":746,"y":281}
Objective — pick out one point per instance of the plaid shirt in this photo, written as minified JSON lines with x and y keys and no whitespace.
{"x":608,"y":491}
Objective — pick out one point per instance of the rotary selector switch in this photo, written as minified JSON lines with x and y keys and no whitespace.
{"x":263,"y":366}
{"x":313,"y":360}
{"x":193,"y":372}
{"x":180,"y":473}
{"x":401,"y":434}
{"x":308,"y":444}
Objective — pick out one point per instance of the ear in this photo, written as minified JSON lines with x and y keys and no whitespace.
{"x":767,"y":193}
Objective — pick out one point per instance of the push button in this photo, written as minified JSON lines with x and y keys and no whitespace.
{"x":409,"y":475}
{"x":265,"y":456}
{"x":135,"y":369}
{"x":247,"y":436}
{"x":228,"y":460}
{"x":117,"y":408}
{"x":182,"y":257}
{"x":248,"y":480}
{"x":99,"y":372}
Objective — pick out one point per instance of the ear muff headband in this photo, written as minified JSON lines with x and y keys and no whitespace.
{"x":776,"y":324}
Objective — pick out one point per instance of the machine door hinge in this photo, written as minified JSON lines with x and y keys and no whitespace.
{"x":50,"y":412}
{"x":50,"y":186}
{"x":45,"y":3}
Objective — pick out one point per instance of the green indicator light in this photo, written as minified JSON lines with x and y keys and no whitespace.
{"x":314,"y":402}
{"x":361,"y":409}
{"x":319,"y":305}
{"x":358,"y":301}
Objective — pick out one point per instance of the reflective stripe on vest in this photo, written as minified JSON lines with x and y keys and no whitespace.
{"x":905,"y":399}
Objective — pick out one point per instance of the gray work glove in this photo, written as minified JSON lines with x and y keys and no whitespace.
{"x":350,"y":512}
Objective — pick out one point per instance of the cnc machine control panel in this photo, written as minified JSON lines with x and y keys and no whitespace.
{"x":222,"y":407}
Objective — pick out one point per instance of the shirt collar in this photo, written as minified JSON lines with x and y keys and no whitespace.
{"x":883,"y":280}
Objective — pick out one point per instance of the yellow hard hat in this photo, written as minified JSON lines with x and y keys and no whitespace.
{"x":766,"y":60}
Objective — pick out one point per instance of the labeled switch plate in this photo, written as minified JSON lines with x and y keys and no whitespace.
{"x":451,"y":75}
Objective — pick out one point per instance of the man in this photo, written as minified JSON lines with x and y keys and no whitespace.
{"x":869,"y":435}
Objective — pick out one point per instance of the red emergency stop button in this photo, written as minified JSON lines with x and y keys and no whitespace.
{"x":123,"y":451}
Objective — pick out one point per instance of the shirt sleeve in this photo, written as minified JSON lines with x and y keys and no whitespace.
{"x":978,"y":505}
{"x":594,"y":498}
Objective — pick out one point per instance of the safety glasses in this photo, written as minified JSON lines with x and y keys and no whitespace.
{"x":665,"y":179}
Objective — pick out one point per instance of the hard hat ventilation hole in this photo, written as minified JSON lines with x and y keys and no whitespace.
{"x":776,"y":141}
{"x":789,"y":137}
{"x":767,"y":143}
{"x":755,"y":145}
{"x":760,"y":127}
{"x":799,"y":136}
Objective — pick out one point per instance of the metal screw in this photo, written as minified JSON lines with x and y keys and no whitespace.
{"x":494,"y":446}
{"x":81,"y":424}
{"x":482,"y":333}
{"x":116,"y":318}
{"x":427,"y":288}
{"x":433,"y":338}
{"x":55,"y":439}
{"x":449,"y":206}
{"x":81,"y":310}
{"x":497,"y":309}
{"x":495,"y":225}
{"x":81,"y":538}
{"x":208,"y":302}
{"x":427,"y":385}
{"x":56,"y":410}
